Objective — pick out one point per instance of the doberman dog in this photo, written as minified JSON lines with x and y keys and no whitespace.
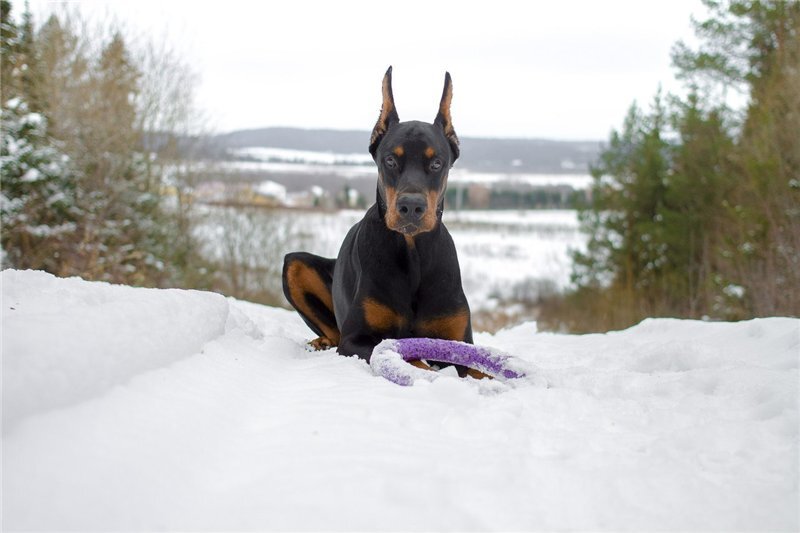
{"x":397,"y":272}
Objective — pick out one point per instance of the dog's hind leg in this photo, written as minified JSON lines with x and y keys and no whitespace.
{"x":307,"y":280}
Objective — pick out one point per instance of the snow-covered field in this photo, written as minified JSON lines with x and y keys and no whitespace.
{"x":504,"y":255}
{"x":301,"y":157}
{"x":143,"y":409}
{"x":512,"y":255}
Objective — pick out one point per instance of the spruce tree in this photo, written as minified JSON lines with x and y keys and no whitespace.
{"x":626,"y":252}
{"x":695,"y":215}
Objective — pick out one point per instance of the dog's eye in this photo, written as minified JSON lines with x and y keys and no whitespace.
{"x":436,"y":164}
{"x":390,"y":161}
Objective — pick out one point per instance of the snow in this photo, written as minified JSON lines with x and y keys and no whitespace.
{"x":272,"y":189}
{"x":576,"y":181}
{"x":524,"y":220}
{"x":514,"y":255}
{"x":14,"y":103}
{"x":31,"y":175}
{"x":287,"y":155}
{"x":344,"y":169}
{"x":34,"y":119}
{"x":142,"y":409}
{"x":734,"y":291}
{"x":44,"y":230}
{"x":83,"y":352}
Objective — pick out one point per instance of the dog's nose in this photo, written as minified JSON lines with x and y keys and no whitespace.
{"x":412,"y":206}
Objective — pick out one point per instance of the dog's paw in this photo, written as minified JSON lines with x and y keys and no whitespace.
{"x":419,"y":363}
{"x":321,"y":343}
{"x":477,"y":374}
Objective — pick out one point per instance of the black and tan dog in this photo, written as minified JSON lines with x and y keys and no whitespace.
{"x":397,"y":273}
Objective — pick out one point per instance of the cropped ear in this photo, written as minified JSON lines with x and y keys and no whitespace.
{"x":388,"y":116}
{"x":443,"y":119}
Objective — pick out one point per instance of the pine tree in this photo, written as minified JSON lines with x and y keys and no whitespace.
{"x":707,"y":224}
{"x":695,"y":215}
{"x":756,"y":46}
{"x":627,"y":244}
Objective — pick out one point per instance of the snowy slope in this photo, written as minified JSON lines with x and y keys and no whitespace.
{"x":137,"y":409}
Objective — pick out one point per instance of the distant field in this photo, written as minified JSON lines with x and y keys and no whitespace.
{"x":511,"y":255}
{"x":278,"y":162}
{"x":508,"y":258}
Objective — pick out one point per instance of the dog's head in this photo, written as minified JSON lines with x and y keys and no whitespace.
{"x":413,"y":160}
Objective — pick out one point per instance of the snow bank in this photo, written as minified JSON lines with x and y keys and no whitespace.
{"x":178,"y":410}
{"x":68,"y":340}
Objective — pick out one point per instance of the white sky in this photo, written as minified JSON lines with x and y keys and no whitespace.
{"x":542,"y":68}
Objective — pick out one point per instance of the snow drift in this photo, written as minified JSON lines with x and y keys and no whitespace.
{"x":141,"y":409}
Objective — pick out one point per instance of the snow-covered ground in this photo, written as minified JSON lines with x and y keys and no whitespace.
{"x":142,"y":409}
{"x":285,"y":155}
{"x":514,"y":255}
{"x":504,"y":255}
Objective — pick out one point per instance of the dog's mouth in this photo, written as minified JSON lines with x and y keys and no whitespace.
{"x":409,"y":229}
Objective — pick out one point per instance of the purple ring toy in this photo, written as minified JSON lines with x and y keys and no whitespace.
{"x":390,"y":359}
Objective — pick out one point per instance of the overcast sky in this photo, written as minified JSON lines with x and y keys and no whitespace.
{"x":543,"y":68}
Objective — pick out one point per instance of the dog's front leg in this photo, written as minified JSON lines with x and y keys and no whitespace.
{"x":368,"y":322}
{"x":358,"y":344}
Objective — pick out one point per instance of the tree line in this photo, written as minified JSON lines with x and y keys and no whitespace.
{"x":90,"y":131}
{"x":695,"y":205}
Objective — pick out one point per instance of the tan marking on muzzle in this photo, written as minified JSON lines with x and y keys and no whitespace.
{"x":392,"y":216}
{"x":429,"y":219}
{"x":395,"y":222}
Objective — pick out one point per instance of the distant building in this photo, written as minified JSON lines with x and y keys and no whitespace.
{"x":268,"y":193}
